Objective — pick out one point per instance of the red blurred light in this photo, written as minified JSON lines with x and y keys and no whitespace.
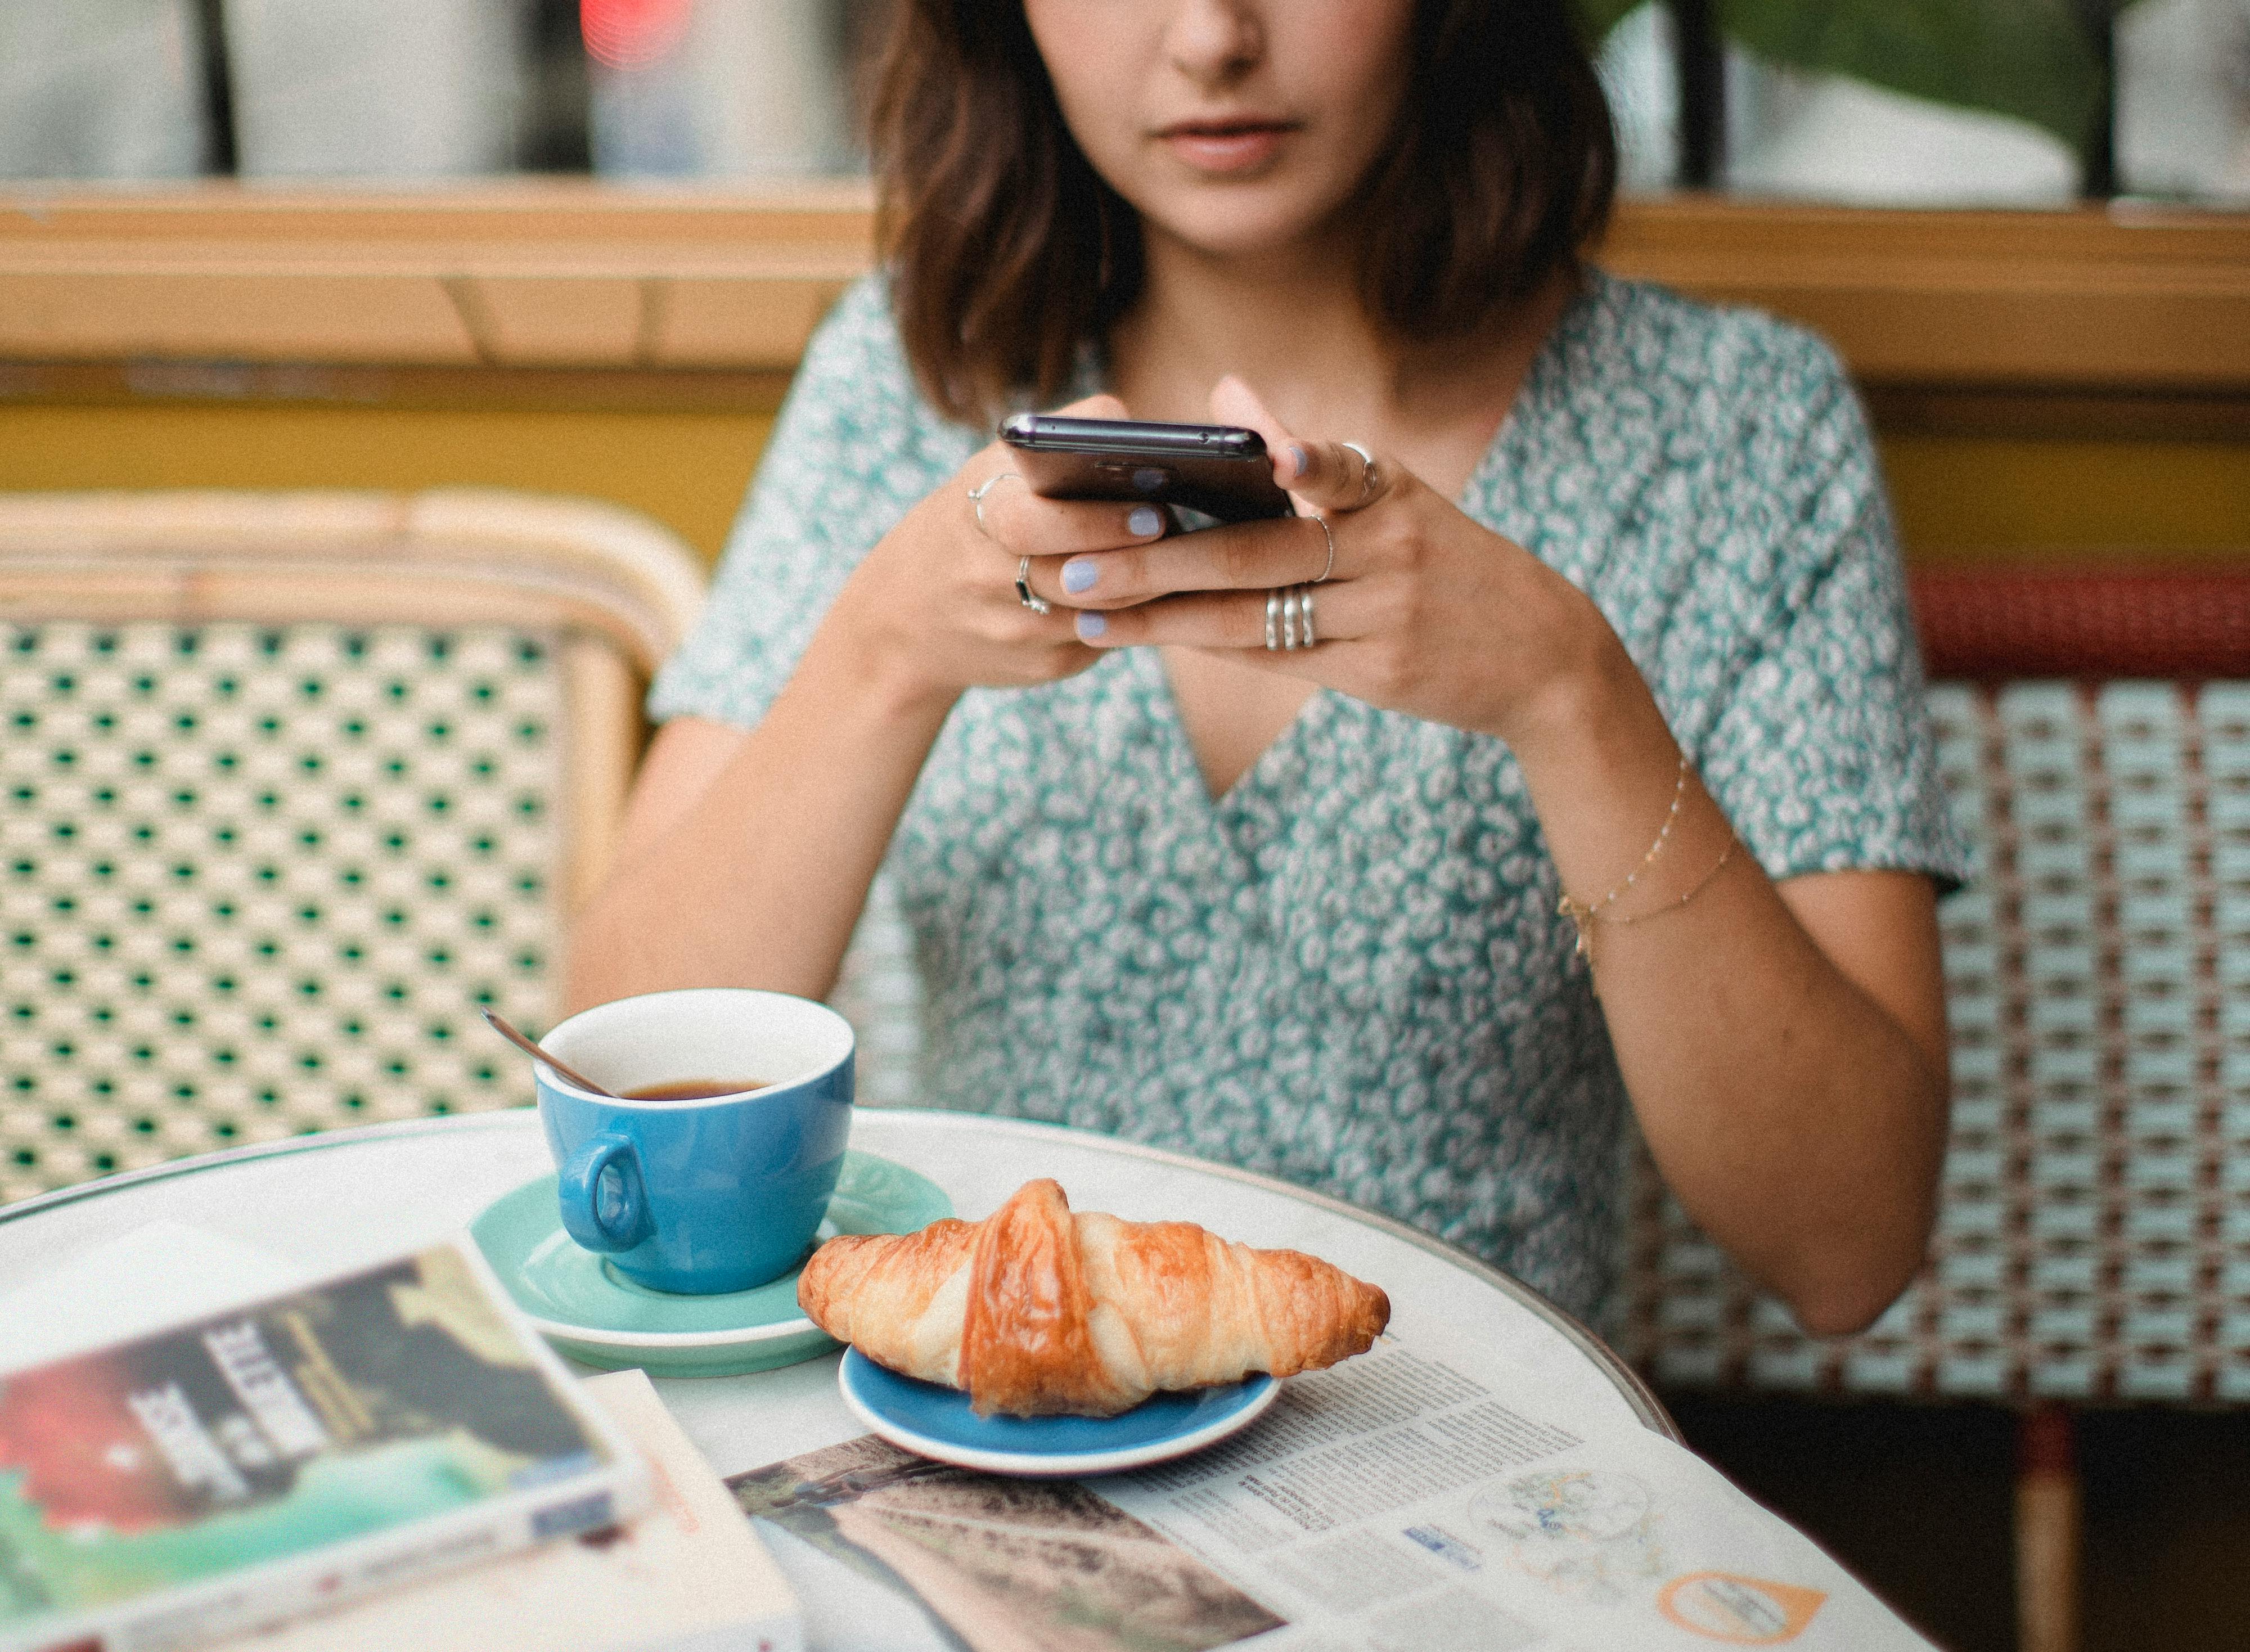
{"x":626,"y":33}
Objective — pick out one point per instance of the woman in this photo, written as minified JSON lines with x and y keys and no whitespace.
{"x":1600,"y":579}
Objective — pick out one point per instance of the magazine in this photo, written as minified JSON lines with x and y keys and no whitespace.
{"x":1393,"y":1504}
{"x":231,"y":1472}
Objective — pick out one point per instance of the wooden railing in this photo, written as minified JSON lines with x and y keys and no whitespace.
{"x":550,"y":275}
{"x":2066,"y":379}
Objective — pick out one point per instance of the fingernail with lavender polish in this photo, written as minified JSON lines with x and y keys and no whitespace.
{"x":1079,"y":573}
{"x":1091,"y":628}
{"x":1144,"y":520}
{"x":1303,"y":459}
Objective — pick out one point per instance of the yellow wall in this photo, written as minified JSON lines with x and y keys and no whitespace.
{"x":1969,"y":498}
{"x":1957,"y":497}
{"x":688,"y":470}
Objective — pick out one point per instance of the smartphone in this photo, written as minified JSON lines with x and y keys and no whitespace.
{"x":1218,"y":473}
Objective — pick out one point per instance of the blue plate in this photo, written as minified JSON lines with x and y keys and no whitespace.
{"x":935,"y":1421}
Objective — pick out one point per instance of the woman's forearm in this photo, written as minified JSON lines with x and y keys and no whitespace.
{"x":1799,"y":1119}
{"x":748,"y":857}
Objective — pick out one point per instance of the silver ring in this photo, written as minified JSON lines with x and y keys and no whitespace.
{"x":1327,"y":534}
{"x":976,"y":499}
{"x":1025,"y":594}
{"x":1289,"y":617}
{"x":1368,"y":474}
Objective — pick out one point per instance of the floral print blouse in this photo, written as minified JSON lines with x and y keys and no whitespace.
{"x":1350,"y":971}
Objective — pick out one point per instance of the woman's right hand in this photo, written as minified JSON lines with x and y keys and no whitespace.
{"x":818,"y":785}
{"x":933,"y":609}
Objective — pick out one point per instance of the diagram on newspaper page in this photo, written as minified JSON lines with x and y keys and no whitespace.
{"x":1393,"y":1504}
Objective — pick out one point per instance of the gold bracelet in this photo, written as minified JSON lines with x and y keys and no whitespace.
{"x":1701,"y":884}
{"x":1583,"y":913}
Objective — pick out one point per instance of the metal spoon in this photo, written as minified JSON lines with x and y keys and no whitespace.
{"x":498,"y":1024}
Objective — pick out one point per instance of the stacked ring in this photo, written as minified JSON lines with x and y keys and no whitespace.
{"x":1289,"y":617}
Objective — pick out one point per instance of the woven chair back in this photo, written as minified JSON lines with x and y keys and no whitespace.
{"x":292,"y":783}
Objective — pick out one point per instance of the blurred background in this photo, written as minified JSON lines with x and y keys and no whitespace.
{"x":1974,"y":102}
{"x":576,"y":246}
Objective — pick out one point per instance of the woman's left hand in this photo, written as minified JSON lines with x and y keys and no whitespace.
{"x":1424,"y":610}
{"x":1787,"y":1071}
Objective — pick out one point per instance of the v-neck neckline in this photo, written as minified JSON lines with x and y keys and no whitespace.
{"x":1162,"y":699}
{"x":1157,"y":693}
{"x":1183,"y":769}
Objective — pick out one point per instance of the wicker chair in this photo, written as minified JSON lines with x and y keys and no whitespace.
{"x":291,"y":784}
{"x":2094,"y":1242}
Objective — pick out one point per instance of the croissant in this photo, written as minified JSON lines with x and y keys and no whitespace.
{"x":1036,"y":1309}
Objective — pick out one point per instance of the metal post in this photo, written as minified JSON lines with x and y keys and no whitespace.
{"x":1701,"y":61}
{"x":2097,"y":151}
{"x":218,"y":86}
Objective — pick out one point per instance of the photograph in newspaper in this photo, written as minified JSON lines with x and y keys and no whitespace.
{"x":999,"y":1565}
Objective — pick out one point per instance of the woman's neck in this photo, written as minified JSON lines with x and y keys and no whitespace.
{"x":1292,"y":328}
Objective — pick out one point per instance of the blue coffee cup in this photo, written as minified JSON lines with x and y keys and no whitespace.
{"x":706,"y":1192}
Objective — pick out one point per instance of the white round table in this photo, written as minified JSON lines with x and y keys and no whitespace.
{"x":332,"y":1202}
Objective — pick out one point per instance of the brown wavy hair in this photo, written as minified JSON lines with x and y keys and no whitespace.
{"x":1007,"y":252}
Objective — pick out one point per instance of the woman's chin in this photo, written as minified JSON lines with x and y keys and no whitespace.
{"x":1235,"y":226}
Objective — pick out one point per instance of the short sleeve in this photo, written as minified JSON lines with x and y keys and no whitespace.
{"x":1821,"y":750}
{"x":854,"y":449}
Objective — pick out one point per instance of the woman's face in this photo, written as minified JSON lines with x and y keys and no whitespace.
{"x":1235,"y":126}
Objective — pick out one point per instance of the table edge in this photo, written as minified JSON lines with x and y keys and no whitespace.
{"x":1635,"y":1392}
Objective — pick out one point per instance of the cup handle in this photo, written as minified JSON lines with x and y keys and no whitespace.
{"x":580,"y":1186}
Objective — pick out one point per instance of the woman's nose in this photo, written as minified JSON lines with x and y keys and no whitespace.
{"x":1213,"y":42}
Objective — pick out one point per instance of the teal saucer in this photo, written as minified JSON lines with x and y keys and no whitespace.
{"x":596,"y":1316}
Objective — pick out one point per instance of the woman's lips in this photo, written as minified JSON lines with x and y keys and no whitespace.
{"x":1228,"y":146}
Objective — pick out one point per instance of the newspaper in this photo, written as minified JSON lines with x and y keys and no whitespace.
{"x":1394,"y":1504}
